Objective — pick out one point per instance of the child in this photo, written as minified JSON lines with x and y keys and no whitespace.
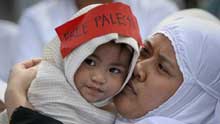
{"x":88,"y":64}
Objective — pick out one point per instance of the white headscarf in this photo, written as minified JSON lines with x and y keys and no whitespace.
{"x":197,"y":46}
{"x":196,"y":42}
{"x":53,"y":92}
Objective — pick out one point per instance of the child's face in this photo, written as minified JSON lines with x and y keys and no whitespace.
{"x":102,"y":74}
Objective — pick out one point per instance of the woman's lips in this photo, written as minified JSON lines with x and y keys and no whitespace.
{"x":130,"y":87}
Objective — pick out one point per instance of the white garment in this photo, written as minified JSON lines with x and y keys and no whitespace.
{"x":4,"y":117}
{"x":53,"y":91}
{"x":196,"y":42}
{"x":3,"y":86}
{"x":8,"y":37}
{"x":38,"y":22}
{"x":159,"y":120}
{"x":195,"y":12}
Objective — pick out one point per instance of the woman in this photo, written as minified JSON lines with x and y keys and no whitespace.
{"x":176,"y":79}
{"x":194,"y":35}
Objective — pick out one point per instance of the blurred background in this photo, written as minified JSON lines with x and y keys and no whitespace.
{"x":12,"y":9}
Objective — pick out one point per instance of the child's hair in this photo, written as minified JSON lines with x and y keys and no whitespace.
{"x":123,"y":46}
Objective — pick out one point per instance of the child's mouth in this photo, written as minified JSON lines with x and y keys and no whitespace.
{"x":94,"y":89}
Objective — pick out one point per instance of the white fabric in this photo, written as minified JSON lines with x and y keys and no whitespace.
{"x":196,"y":41}
{"x":4,"y":117}
{"x":38,"y":22}
{"x":8,"y":37}
{"x":3,"y":86}
{"x":149,"y":120}
{"x":198,"y":13}
{"x":159,"y":120}
{"x":53,"y":92}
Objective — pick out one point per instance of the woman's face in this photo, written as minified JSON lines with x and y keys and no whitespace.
{"x":156,"y":78}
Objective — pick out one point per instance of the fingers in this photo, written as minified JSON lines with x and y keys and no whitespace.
{"x":24,"y":71}
{"x":24,"y":68}
{"x":19,"y":81}
{"x":31,"y":63}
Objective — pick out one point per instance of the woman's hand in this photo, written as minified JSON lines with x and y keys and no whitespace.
{"x":19,"y":81}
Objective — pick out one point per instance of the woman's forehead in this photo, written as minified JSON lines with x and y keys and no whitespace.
{"x":162,"y":44}
{"x":163,"y":47}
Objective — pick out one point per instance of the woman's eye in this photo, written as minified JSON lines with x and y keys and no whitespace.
{"x":115,"y":70}
{"x":90,"y":62}
{"x":161,"y":67}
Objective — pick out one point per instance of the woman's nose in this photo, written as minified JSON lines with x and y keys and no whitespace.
{"x":139,"y":73}
{"x":98,"y":77}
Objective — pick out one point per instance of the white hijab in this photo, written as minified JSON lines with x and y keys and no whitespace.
{"x":197,"y":46}
{"x":196,"y":42}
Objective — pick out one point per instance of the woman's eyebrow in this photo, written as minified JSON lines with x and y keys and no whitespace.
{"x":148,"y":43}
{"x":148,"y":46}
{"x":169,"y":62}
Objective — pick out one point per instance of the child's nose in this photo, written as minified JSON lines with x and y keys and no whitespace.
{"x":98,"y":77}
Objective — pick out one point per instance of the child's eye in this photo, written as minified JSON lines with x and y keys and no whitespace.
{"x":90,"y":62}
{"x":115,"y":70}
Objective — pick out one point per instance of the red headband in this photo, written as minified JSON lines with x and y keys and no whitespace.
{"x":103,"y":19}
